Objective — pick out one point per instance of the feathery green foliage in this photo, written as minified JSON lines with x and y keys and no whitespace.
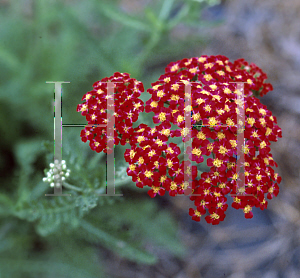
{"x":80,"y":42}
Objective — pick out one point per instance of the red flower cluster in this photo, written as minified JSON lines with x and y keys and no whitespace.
{"x":214,"y":103}
{"x":127,"y":108}
{"x":155,"y":162}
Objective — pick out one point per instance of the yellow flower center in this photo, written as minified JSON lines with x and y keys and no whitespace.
{"x":196,"y":151}
{"x":200,"y":100}
{"x":197,"y":213}
{"x":180,"y":118}
{"x":140,"y":139}
{"x":175,"y":67}
{"x":220,"y":111}
{"x":220,"y":135}
{"x":173,"y":185}
{"x":227,"y":91}
{"x":148,"y":174}
{"x":217,"y":162}
{"x":222,"y":150}
{"x":184,"y":132}
{"x":153,"y":104}
{"x":222,"y":185}
{"x":193,"y":70}
{"x":141,"y":160}
{"x":165,"y":132}
{"x":160,"y":93}
{"x":207,"y":108}
{"x":155,"y":189}
{"x":237,"y":200}
{"x":159,"y":142}
{"x":268,"y":131}
{"x":215,"y":216}
{"x":162,"y":116}
{"x":210,"y":147}
{"x":207,"y":77}
{"x":151,"y":153}
{"x":263,"y":122}
{"x":254,"y":134}
{"x":201,"y":135}
{"x":175,"y":97}
{"x":247,"y":209}
{"x":212,"y":121}
{"x":132,"y":167}
{"x":132,"y":154}
{"x":196,"y":117}
{"x":170,"y":150}
{"x":170,"y":163}
{"x":262,"y":111}
{"x":84,"y":107}
{"x":208,"y":180}
{"x":229,"y":122}
{"x":217,"y":194}
{"x":175,"y":87}
{"x":213,"y":87}
{"x":262,"y":144}
{"x":206,"y":191}
{"x":251,"y":121}
{"x":163,"y":178}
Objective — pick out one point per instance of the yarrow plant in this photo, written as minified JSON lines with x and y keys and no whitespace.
{"x":156,"y":163}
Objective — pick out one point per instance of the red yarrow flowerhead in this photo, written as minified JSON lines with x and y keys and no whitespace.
{"x":215,"y":106}
{"x":127,"y":108}
{"x":214,"y":102}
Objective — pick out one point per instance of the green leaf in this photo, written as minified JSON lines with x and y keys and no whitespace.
{"x":122,"y":248}
{"x":148,"y":223}
{"x":179,"y":17}
{"x":155,"y":21}
{"x":166,"y":9}
{"x":22,"y":267}
{"x":50,"y":213}
{"x":9,"y":59}
{"x":68,"y":249}
{"x":113,"y":13}
{"x":145,"y":225}
{"x":6,"y":205}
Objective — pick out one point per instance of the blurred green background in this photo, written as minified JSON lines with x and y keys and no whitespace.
{"x":80,"y":42}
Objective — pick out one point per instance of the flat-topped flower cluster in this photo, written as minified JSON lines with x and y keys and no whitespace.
{"x":155,"y":162}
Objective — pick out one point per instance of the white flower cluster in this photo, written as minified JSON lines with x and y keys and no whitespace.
{"x":58,"y":172}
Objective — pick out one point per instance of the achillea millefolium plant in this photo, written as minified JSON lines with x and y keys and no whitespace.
{"x":156,"y":163}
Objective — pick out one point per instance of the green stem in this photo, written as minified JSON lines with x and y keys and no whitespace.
{"x":166,"y":9}
{"x":153,"y":41}
{"x":72,"y":187}
{"x":123,"y":181}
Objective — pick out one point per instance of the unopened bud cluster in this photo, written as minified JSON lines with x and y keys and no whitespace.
{"x":58,"y":172}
